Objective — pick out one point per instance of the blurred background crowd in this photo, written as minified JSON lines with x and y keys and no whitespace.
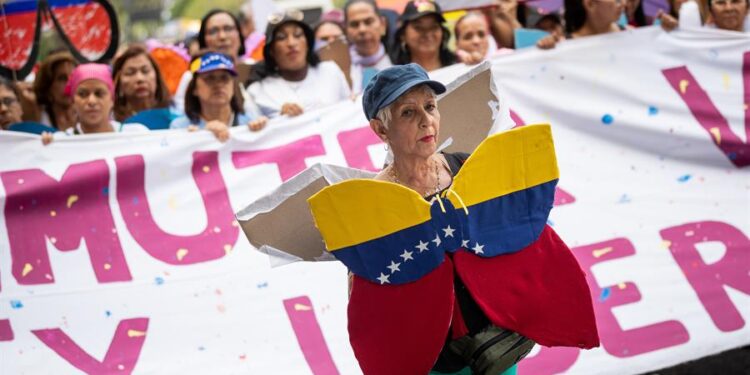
{"x":248,"y":62}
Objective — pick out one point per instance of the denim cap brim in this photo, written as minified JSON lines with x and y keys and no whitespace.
{"x":389,"y":84}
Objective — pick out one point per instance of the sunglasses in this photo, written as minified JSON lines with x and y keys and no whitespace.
{"x":291,"y":14}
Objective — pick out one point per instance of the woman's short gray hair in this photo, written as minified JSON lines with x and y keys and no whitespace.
{"x":384,"y":114}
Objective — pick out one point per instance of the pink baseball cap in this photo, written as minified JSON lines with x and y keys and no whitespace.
{"x":86,"y":72}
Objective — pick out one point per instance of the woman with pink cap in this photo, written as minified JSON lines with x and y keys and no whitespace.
{"x":92,"y":90}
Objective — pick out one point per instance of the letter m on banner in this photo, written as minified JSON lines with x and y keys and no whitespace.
{"x":704,"y":110}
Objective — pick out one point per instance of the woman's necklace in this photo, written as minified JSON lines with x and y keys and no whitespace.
{"x":394,"y":176}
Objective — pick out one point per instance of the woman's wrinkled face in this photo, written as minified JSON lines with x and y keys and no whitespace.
{"x":138,"y":79}
{"x":10,"y":108}
{"x":59,"y":80}
{"x":415,"y":123}
{"x":222,"y":34}
{"x":214,"y":88}
{"x":729,"y":14}
{"x":93,"y":103}
{"x":424,"y":35}
{"x":290,"y":47}
{"x":364,"y":28}
{"x":473,"y":35}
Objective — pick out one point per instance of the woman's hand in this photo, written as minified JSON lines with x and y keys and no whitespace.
{"x":220,"y":130}
{"x":469,"y":58}
{"x":668,"y":23}
{"x":291,"y":109}
{"x":47,"y":138}
{"x":257,"y":124}
{"x":549,"y":41}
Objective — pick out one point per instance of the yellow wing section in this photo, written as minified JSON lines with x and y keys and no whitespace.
{"x":504,"y":163}
{"x":359,"y":210}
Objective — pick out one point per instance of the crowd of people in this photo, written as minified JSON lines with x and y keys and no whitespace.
{"x":287,"y":73}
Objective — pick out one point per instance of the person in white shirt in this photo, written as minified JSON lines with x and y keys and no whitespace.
{"x":294,"y":80}
{"x":365,"y":29}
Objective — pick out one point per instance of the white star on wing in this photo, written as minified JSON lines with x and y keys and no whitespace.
{"x":394,"y":267}
{"x":384,"y":279}
{"x":437,"y":240}
{"x":478,"y":249}
{"x":465,"y":244}
{"x":422,"y":246}
{"x":448,"y":231}
{"x":407,"y":255}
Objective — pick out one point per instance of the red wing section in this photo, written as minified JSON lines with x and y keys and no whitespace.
{"x":88,"y":26}
{"x":539,"y":292}
{"x":400,"y":329}
{"x":17,"y":29}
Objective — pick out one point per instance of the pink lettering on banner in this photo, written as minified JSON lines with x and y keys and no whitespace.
{"x":309,"y":336}
{"x":615,"y":340}
{"x":562,"y":197}
{"x":6,"y":331}
{"x":354,"y":144}
{"x":121,"y":357}
{"x":215,"y":241}
{"x":709,"y":280}
{"x":517,"y":120}
{"x":708,"y":116}
{"x":549,"y":361}
{"x":289,"y":158}
{"x":39,"y":208}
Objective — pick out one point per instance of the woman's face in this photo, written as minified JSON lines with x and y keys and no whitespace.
{"x":415,"y":124}
{"x":214,"y":88}
{"x":328,"y":33}
{"x":729,"y":14}
{"x":59,"y":80}
{"x":93,"y":103}
{"x":10,"y":108}
{"x":290,"y":47}
{"x":424,"y":35}
{"x":604,"y":11}
{"x":137,"y":79}
{"x":473,"y":35}
{"x":222,"y":34}
{"x":364,"y":28}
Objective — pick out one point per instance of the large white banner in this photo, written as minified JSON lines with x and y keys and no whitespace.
{"x":120,"y":252}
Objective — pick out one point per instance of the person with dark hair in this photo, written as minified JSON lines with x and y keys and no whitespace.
{"x":635,"y":14}
{"x":221,"y":31}
{"x":328,"y":31}
{"x":213,"y":100}
{"x":473,"y":44}
{"x":587,"y":18}
{"x":10,"y":104}
{"x":423,"y":37}
{"x":293,"y":78}
{"x":504,"y":18}
{"x":139,"y":84}
{"x":731,"y":15}
{"x":366,"y":30}
{"x":49,"y":86}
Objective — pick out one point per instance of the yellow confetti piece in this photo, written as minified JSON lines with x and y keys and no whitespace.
{"x":181,"y":254}
{"x":107,"y":266}
{"x":622,"y":285}
{"x":666,"y":244}
{"x":716,"y":134}
{"x":53,"y":213}
{"x":689,"y":233}
{"x":598,"y":253}
{"x":20,"y":181}
{"x":72,"y":199}
{"x":301,"y":307}
{"x":26,"y":269}
{"x":206,"y":169}
{"x":725,"y":80}
{"x":227,"y":249}
{"x":683,"y":85}
{"x":136,"y":333}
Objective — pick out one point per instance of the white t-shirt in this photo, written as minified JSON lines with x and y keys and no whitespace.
{"x":357,"y":72}
{"x":324,"y":85}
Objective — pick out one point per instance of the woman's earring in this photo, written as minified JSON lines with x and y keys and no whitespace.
{"x":386,"y":146}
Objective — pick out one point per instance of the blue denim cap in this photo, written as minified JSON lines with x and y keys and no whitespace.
{"x":390,"y":83}
{"x":213,"y":61}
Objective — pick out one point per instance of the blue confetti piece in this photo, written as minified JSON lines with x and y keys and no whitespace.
{"x":684,"y":178}
{"x":105,"y":191}
{"x":605,"y":294}
{"x":200,"y":348}
{"x":108,"y":313}
{"x":159,"y":280}
{"x":732,"y":155}
{"x":16,"y":304}
{"x":135,"y":200}
{"x":624,"y":199}
{"x":653,"y":111}
{"x":607,"y":119}
{"x":262,"y":285}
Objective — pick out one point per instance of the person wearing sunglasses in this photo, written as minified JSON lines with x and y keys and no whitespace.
{"x":423,"y":37}
{"x":587,"y":18}
{"x":213,"y":100}
{"x":10,"y":105}
{"x":293,"y":79}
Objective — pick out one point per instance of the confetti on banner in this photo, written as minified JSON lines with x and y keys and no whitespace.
{"x":136,"y":333}
{"x":301,"y":307}
{"x":683,"y":86}
{"x":624,"y":199}
{"x":604,"y":295}
{"x":72,"y":199}
{"x":159,"y":280}
{"x":725,"y":80}
{"x":600,"y":252}
{"x":666,"y":244}
{"x":181,"y":254}
{"x":684,"y":178}
{"x":16,"y":304}
{"x":206,"y":169}
{"x":26,"y":269}
{"x":622,"y":286}
{"x":607,"y":119}
{"x":653,"y":111}
{"x":717,"y":135}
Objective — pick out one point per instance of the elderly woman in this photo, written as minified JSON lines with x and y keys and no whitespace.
{"x":49,"y":86}
{"x":366,"y":32}
{"x":139,"y":84}
{"x":10,"y":105}
{"x":294,"y":80}
{"x":213,"y":100}
{"x":423,"y":37}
